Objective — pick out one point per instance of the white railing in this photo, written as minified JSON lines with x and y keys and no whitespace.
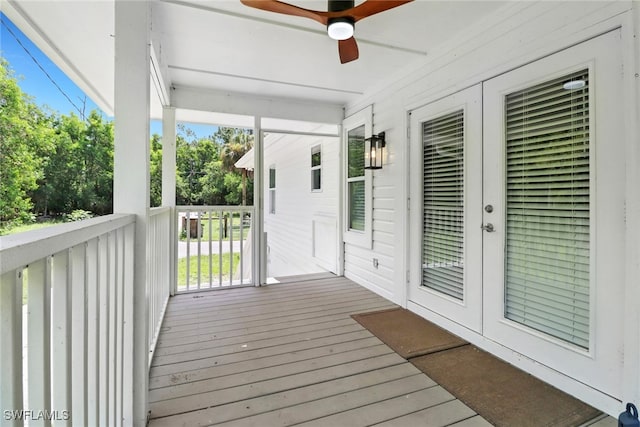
{"x":66,"y":306}
{"x":213,"y":249}
{"x":159,"y":269}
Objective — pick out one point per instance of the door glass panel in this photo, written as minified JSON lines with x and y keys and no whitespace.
{"x":547,"y":212}
{"x":443,"y":204}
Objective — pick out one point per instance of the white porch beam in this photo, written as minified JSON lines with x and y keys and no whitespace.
{"x":131,"y":181}
{"x":159,"y":72}
{"x":193,"y":98}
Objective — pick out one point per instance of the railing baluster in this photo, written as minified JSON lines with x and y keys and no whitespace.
{"x":78,"y":284}
{"x":127,"y":348}
{"x":11,"y":343}
{"x":111,"y":291}
{"x":231,"y":248}
{"x":198,"y":225}
{"x":61,"y":334}
{"x":103,"y":342}
{"x":241,"y":245}
{"x":210,"y":250}
{"x":120,"y":269}
{"x":220,"y":236}
{"x":38,"y":336}
{"x":93,"y":325}
{"x":188,"y":228}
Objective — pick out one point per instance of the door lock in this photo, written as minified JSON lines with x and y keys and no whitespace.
{"x":488,"y":208}
{"x":488,"y":227}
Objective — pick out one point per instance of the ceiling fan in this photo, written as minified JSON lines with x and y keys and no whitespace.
{"x":340,"y":19}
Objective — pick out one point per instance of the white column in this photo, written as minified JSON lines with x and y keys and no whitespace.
{"x":259,"y":253}
{"x":169,"y":185}
{"x":168,"y":156}
{"x":131,"y":182}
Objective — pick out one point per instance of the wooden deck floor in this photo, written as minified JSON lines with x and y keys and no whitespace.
{"x":288,"y":354}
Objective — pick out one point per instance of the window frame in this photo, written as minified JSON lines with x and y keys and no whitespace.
{"x":272,"y":190}
{"x":362,"y":238}
{"x":317,"y":148}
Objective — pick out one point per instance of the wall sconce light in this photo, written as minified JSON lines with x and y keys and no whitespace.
{"x":373,"y":151}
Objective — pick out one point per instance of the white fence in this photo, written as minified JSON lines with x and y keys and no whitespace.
{"x":213,"y":247}
{"x":65,"y":298}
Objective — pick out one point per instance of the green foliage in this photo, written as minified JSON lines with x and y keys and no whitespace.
{"x":206,"y":172}
{"x":155,"y":169}
{"x":61,"y":166}
{"x":77,"y":215}
{"x":25,"y":139}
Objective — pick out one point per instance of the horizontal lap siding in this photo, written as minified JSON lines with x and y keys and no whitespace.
{"x":387,"y":227}
{"x":514,"y":35}
{"x":289,"y":230}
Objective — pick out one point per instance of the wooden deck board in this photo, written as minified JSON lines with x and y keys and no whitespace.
{"x":287,"y":354}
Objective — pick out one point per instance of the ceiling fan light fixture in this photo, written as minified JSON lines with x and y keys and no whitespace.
{"x":340,"y":28}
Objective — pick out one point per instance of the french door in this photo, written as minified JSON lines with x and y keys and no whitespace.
{"x":446,"y":165}
{"x":536,"y":261}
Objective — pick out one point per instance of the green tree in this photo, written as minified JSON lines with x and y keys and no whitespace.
{"x":155,"y":169}
{"x":26,"y":138}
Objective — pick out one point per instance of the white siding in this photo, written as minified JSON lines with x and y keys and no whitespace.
{"x":517,"y":34}
{"x":290,"y":231}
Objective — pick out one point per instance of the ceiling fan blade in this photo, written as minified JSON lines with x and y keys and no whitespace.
{"x":287,"y":9}
{"x":348,"y":50}
{"x":371,"y":7}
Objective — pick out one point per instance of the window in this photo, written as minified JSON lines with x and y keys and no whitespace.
{"x":443,"y":199}
{"x":355,"y":178}
{"x":358,"y":191}
{"x":316,"y":168}
{"x":548,"y":207}
{"x":272,"y":190}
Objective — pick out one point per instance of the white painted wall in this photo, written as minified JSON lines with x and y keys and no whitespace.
{"x":517,"y":34}
{"x":302,"y":234}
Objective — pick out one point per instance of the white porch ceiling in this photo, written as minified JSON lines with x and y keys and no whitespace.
{"x":225,"y":47}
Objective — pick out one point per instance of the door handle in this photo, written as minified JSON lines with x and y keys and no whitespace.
{"x":488,"y":227}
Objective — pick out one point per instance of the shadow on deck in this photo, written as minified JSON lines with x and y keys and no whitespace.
{"x":288,"y":354}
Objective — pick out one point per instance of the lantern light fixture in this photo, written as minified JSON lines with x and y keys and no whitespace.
{"x":374,"y":150}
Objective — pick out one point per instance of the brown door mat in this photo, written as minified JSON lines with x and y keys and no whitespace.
{"x":501,"y":393}
{"x":406,"y":333}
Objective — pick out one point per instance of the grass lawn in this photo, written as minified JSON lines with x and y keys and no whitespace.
{"x":215,"y":228}
{"x":28,"y":227}
{"x":204,"y":269}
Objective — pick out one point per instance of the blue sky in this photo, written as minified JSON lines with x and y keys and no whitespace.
{"x":66,"y":98}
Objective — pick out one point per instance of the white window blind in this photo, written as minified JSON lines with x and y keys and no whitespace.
{"x":443,"y":213}
{"x":547,"y":183}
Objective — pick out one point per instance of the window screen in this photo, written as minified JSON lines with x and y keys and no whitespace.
{"x":443,"y":210}
{"x":547,"y":212}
